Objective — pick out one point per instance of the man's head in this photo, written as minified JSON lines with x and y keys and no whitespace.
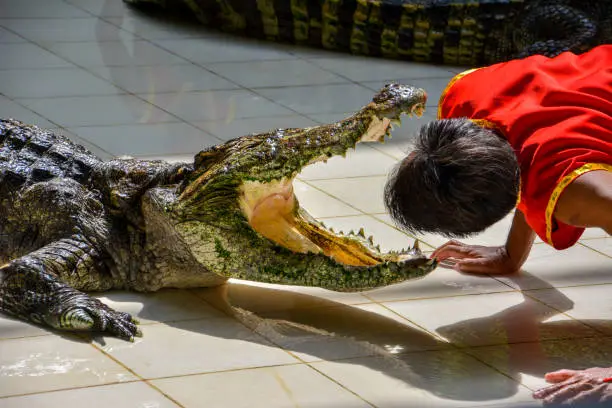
{"x":459,"y":180}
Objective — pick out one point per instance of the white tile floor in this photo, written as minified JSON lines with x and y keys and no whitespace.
{"x":122,"y":82}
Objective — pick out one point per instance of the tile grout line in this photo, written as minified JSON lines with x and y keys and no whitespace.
{"x":69,"y":389}
{"x":301,"y":362}
{"x":128,"y":369}
{"x":582,"y":243}
{"x":122,"y":91}
{"x":521,"y":343}
{"x":179,"y":119}
{"x":410,"y":299}
{"x":203,"y":66}
{"x":331,"y":195}
{"x":344,"y":178}
{"x":465,"y":349}
{"x":360,"y":83}
{"x":365,"y":214}
{"x":42,"y":45}
{"x":453,"y":347}
{"x":441,"y":296}
{"x":79,"y":337}
{"x":152,"y":323}
{"x":483,"y":346}
{"x":41,"y":115}
{"x":337,"y":382}
{"x":254,"y":90}
{"x":587,"y":239}
{"x":80,"y":140}
{"x":403,"y":232}
{"x":386,"y":153}
{"x":433,"y":334}
{"x":228,"y":370}
{"x":292,"y":354}
{"x":187,"y":63}
{"x":563,"y":313}
{"x":27,"y":108}
{"x":361,"y":212}
{"x":512,"y":289}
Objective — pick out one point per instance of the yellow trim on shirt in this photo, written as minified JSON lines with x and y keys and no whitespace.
{"x":448,"y":87}
{"x":487,"y":124}
{"x":561,"y":186}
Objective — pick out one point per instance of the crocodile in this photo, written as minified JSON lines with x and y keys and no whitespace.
{"x":455,"y":32}
{"x":71,"y":223}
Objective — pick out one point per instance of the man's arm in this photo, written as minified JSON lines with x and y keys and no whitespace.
{"x":519,"y":242}
{"x":587,"y":201}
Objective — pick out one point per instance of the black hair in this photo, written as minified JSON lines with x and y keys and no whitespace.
{"x":460,"y":179}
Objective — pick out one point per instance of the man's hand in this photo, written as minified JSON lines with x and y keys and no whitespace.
{"x":572,"y":387}
{"x":476,"y":258}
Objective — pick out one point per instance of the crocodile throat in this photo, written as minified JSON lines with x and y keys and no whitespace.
{"x":272,"y":210}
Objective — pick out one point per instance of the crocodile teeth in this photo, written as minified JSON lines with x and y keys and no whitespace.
{"x":395,"y":123}
{"x":361,"y":232}
{"x":371,"y":239}
{"x":416,"y":245}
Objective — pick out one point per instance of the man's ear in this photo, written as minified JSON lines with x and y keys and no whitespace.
{"x":587,"y":201}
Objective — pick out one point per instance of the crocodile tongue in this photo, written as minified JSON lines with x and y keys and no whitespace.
{"x":270,"y":208}
{"x":273,"y":211}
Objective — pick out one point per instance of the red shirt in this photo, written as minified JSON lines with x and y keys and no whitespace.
{"x":557,"y":115}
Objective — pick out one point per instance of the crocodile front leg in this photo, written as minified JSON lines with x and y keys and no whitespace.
{"x":30,"y":289}
{"x":54,"y":233}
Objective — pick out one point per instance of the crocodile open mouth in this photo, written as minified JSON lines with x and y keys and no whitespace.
{"x":272,"y":209}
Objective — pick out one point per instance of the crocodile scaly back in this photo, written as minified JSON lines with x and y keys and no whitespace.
{"x":29,"y":154}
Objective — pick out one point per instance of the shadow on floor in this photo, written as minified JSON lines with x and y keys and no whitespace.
{"x":518,"y":340}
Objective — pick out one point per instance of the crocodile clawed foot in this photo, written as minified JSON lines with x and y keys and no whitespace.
{"x":120,"y":324}
{"x":89,"y":314}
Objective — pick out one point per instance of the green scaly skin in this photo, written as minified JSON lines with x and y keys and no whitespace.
{"x":458,"y":32}
{"x":71,"y":223}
